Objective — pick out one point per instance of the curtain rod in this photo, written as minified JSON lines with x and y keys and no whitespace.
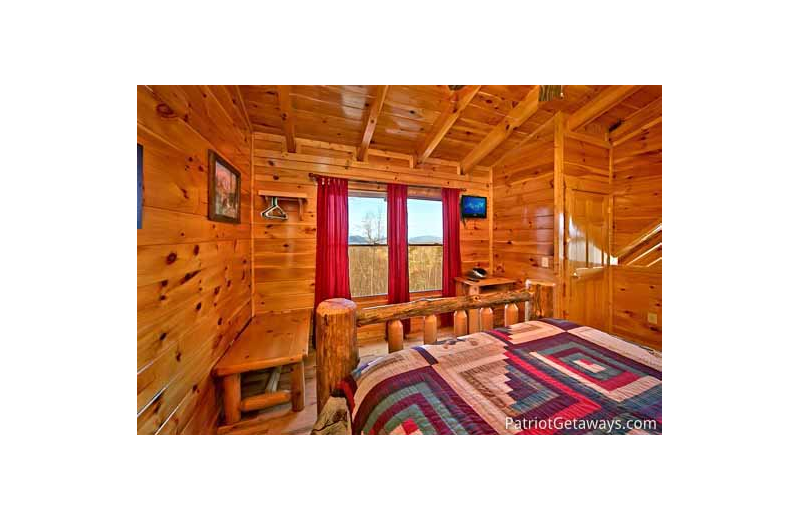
{"x":314,"y":176}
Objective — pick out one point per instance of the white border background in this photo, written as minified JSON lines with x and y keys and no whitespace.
{"x":730,"y":215}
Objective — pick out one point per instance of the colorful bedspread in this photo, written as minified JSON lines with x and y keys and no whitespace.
{"x":537,"y":377}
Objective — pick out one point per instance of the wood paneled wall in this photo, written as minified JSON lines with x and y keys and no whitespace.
{"x":524,"y":201}
{"x":637,"y":204}
{"x":586,"y":159}
{"x":636,"y":293}
{"x":193,"y":275}
{"x":284,"y":251}
{"x":522,"y":241}
{"x":637,"y":184}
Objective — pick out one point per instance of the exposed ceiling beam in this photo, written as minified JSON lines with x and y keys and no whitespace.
{"x":640,"y":120}
{"x":607,"y":99}
{"x":459,"y":100}
{"x":287,"y":116}
{"x":372,"y":120}
{"x":518,"y":115}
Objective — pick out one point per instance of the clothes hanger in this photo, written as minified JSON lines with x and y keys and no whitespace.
{"x":274,"y":211}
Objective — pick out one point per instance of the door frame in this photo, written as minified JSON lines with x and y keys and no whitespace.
{"x":573,"y":184}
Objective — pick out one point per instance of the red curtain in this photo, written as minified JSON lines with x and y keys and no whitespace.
{"x":397,"y":202}
{"x":332,"y":278}
{"x":451,"y":251}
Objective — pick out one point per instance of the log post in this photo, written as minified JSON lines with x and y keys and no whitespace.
{"x":430,"y":329}
{"x":487,"y":318}
{"x":395,"y":336}
{"x":528,"y":285}
{"x":511,"y":314}
{"x":474,"y":315}
{"x":460,"y":323}
{"x":337,"y":351}
{"x":232,"y":398}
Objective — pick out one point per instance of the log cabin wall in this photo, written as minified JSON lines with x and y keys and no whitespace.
{"x":526,"y":200}
{"x":636,"y":291}
{"x":284,"y":252}
{"x":523,"y":195}
{"x":193,"y":275}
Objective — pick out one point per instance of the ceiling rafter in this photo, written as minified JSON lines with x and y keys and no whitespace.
{"x":459,"y":100}
{"x":287,"y":116}
{"x":372,"y":120}
{"x":513,"y":120}
{"x":641,"y":120}
{"x":607,"y":99}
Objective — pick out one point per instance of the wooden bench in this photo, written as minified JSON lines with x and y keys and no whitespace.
{"x":270,"y":340}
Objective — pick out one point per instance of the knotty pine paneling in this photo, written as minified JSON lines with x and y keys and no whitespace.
{"x":523,"y":205}
{"x":585,"y":160}
{"x":193,"y":275}
{"x":284,"y":251}
{"x":636,"y":291}
{"x":637,"y":184}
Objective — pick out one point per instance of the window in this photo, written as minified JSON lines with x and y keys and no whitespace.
{"x":367,"y":249}
{"x":369,"y":253}
{"x":424,"y":245}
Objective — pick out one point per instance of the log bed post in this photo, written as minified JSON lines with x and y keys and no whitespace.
{"x":460,"y":323}
{"x":430,"y":326}
{"x":337,"y":351}
{"x":528,"y":285}
{"x":511,"y":315}
{"x":395,"y":339}
{"x":487,"y":318}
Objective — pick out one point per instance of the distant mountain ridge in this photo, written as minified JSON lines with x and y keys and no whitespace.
{"x":422,"y":239}
{"x":425,"y":239}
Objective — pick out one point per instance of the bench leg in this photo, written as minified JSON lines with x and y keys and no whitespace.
{"x":232,"y":398}
{"x":298,"y":387}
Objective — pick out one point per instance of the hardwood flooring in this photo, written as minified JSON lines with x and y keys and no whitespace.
{"x":281,"y":420}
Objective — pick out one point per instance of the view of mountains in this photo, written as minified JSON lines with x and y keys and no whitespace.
{"x":423,"y":239}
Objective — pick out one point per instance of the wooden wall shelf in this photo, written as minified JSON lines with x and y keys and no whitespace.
{"x":299,"y":195}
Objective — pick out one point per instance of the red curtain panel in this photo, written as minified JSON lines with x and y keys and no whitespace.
{"x":332,"y":278}
{"x":451,"y":251}
{"x":397,"y":202}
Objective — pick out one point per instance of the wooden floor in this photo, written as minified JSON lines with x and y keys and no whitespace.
{"x":282,"y":420}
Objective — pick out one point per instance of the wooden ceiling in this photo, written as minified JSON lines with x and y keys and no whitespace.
{"x":475,"y":125}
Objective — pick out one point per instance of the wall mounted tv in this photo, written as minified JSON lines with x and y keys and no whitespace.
{"x":473,"y":207}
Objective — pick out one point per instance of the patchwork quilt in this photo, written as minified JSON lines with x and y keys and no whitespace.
{"x":539,"y":377}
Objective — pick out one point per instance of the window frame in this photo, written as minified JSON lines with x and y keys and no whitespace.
{"x":437,"y":197}
{"x":365,"y":189}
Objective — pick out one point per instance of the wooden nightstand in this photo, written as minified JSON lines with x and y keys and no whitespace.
{"x":465,"y":286}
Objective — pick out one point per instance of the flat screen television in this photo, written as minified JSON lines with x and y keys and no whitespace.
{"x":473,"y":207}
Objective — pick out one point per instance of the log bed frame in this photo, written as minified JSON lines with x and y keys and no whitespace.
{"x":337,"y":321}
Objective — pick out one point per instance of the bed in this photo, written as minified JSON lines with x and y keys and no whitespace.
{"x":537,"y":377}
{"x":543,"y":376}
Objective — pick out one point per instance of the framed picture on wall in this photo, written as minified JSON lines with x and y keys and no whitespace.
{"x":224,"y":190}
{"x":139,"y":184}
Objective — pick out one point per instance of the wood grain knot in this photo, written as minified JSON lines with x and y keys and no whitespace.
{"x":164,"y":110}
